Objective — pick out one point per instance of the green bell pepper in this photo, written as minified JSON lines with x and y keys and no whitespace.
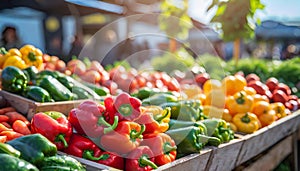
{"x":190,"y":140}
{"x":80,"y":93}
{"x":60,"y":163}
{"x":57,"y":90}
{"x":175,"y":124}
{"x":38,"y":94}
{"x":218,"y":128}
{"x":100,"y":90}
{"x":9,"y":162}
{"x":33,"y":147}
{"x":13,"y":79}
{"x":186,"y":110}
{"x":159,"y":99}
{"x":31,"y":73}
{"x":8,"y":149}
{"x":147,"y":92}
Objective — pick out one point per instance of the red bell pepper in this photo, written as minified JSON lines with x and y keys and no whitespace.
{"x":83,"y":147}
{"x":88,"y":118}
{"x":155,"y":119}
{"x":140,"y":159}
{"x":126,"y":137}
{"x":162,"y":146}
{"x":110,"y":109}
{"x":125,"y":107}
{"x":54,"y":126}
{"x":112,"y":160}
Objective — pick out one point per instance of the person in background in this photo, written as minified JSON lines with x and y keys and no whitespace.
{"x":10,"y":38}
{"x":77,"y":45}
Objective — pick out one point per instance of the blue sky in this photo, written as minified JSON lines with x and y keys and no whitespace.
{"x":275,"y":9}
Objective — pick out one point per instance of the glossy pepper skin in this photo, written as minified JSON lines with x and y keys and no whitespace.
{"x":9,"y":162}
{"x":8,"y":149}
{"x":83,"y":147}
{"x":155,"y":119}
{"x":61,"y":162}
{"x":238,"y":103}
{"x":13,"y":79}
{"x":32,"y":56}
{"x":57,"y":90}
{"x":175,"y":124}
{"x":190,"y":140}
{"x":31,"y":73}
{"x":140,"y":159}
{"x":162,"y":146}
{"x":185,"y":110}
{"x":88,"y":119}
{"x":158,"y":99}
{"x":54,"y":126}
{"x":246,"y":122}
{"x":112,"y":160}
{"x":128,"y":108}
{"x":126,"y":137}
{"x":33,"y":147}
{"x":218,"y":128}
{"x":37,"y":94}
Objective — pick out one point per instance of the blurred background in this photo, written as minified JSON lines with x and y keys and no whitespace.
{"x":62,"y":28}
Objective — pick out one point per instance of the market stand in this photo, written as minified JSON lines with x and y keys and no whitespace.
{"x":265,"y":148}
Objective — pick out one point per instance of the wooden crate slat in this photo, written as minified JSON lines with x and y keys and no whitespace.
{"x":223,"y":157}
{"x":264,"y":138}
{"x":274,"y":156}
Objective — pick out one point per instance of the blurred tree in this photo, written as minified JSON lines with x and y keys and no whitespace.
{"x":174,"y":20}
{"x":237,"y":20}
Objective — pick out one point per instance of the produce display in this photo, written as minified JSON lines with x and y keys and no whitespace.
{"x":128,"y":119}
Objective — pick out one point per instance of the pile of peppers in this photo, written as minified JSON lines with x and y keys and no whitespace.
{"x":121,"y":133}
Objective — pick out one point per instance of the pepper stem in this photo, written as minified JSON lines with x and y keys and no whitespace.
{"x":168,"y":148}
{"x":88,"y":154}
{"x":102,"y":121}
{"x":113,"y":126}
{"x":144,"y":161}
{"x":245,"y":118}
{"x":61,"y":138}
{"x":164,"y":115}
{"x":240,"y":100}
{"x":134,"y":135}
{"x":125,"y":110}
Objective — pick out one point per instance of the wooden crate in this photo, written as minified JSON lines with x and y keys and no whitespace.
{"x":270,"y":159}
{"x":29,"y":107}
{"x":266,"y":137}
{"x":223,"y":157}
{"x":190,"y":162}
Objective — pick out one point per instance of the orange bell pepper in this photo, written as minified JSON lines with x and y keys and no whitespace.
{"x":233,"y":84}
{"x":267,"y":118}
{"x":126,"y":137}
{"x":155,"y":119}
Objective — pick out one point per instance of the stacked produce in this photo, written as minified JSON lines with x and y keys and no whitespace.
{"x":47,"y":86}
{"x":34,"y":152}
{"x":246,"y":102}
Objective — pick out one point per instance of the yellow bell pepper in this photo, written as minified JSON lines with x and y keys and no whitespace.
{"x":240,"y":102}
{"x":246,"y":122}
{"x":233,"y":127}
{"x":279,"y":109}
{"x":14,"y":61}
{"x":11,"y":52}
{"x":32,"y":56}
